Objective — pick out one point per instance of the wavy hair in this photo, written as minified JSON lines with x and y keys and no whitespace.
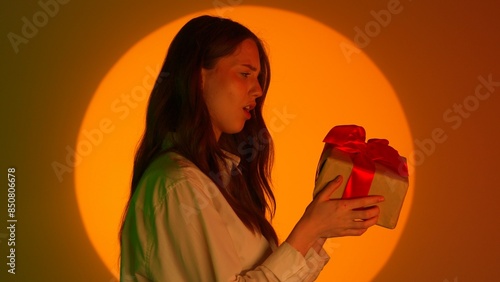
{"x":177,"y":105}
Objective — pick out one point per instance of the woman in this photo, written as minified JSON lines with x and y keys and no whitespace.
{"x":201,"y":193}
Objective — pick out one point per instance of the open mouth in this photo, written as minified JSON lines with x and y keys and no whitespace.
{"x":248,"y":109}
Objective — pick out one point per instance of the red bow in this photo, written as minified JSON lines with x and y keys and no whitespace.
{"x":364,"y":155}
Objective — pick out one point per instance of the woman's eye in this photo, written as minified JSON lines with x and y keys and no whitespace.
{"x":245,"y":74}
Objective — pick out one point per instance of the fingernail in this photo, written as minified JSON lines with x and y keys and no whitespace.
{"x":337,"y":179}
{"x":381,"y":199}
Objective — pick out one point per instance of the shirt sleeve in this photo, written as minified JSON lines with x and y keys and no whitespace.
{"x":288,"y":264}
{"x":189,"y":241}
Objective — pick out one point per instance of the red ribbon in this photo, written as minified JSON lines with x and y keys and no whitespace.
{"x":364,"y":155}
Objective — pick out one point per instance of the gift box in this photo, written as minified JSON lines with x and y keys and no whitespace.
{"x":368,"y":168}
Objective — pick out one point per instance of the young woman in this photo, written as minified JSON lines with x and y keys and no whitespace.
{"x":201,"y":194}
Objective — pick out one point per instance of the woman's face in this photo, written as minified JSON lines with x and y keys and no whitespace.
{"x":231,"y":87}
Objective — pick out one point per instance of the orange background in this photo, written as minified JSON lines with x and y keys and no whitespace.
{"x":315,"y":85}
{"x":431,"y":53}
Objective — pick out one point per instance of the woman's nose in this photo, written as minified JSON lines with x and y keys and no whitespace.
{"x":256,"y":90}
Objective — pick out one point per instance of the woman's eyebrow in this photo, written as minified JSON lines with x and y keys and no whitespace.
{"x":250,"y":67}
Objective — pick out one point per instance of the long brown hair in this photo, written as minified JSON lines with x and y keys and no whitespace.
{"x":176,"y":105}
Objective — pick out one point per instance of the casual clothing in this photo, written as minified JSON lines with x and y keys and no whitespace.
{"x":179,"y":227}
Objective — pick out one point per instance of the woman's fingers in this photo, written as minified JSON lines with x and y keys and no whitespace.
{"x":344,"y":220}
{"x":365,"y":223}
{"x":325,"y":217}
{"x":330,"y":188}
{"x":358,"y":227}
{"x":366,"y":213}
{"x":359,"y":203}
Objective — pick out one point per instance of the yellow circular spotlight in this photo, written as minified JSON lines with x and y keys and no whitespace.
{"x":314,"y":87}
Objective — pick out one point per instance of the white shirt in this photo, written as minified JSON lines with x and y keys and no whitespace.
{"x":179,"y":227}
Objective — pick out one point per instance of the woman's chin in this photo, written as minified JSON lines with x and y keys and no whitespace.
{"x":235,"y":130}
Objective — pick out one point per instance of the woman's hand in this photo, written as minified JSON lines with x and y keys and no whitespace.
{"x":326,"y":218}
